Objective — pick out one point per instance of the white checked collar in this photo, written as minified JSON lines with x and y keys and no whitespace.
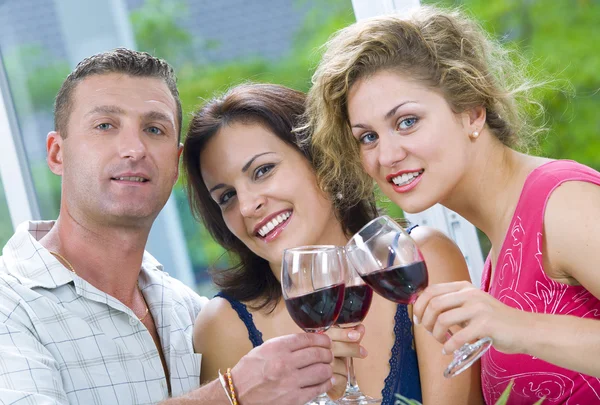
{"x":34,"y":266}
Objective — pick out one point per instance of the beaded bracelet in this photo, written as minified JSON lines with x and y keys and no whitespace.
{"x":224,"y":385}
{"x":231,"y":389}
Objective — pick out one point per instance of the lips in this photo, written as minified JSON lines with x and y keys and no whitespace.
{"x":405,"y":180}
{"x":131,"y":178}
{"x":272,"y":225}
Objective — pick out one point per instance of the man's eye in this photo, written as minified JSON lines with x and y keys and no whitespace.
{"x":155,"y":131}
{"x":104,"y":126}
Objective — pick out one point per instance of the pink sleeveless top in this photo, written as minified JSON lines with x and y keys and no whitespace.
{"x":519,"y":281}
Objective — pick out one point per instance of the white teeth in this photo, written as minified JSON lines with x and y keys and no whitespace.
{"x":405,"y":178}
{"x":269,"y":226}
{"x":138,"y":179}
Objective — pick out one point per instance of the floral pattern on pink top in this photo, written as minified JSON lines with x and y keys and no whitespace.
{"x":520,"y":282}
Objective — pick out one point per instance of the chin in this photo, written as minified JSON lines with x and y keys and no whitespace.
{"x":413,"y":205}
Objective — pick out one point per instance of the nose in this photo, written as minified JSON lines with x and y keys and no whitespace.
{"x":131,"y":144}
{"x":251,"y":203}
{"x":390,"y":150}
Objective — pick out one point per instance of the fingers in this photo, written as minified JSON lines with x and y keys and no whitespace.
{"x":315,"y":374}
{"x":439,"y":305}
{"x":309,"y":393}
{"x":310,"y":355}
{"x":459,"y":339}
{"x":450,"y":318}
{"x":347,"y":334}
{"x":433,"y":292}
{"x":341,"y":349}
{"x":340,"y":373}
{"x":301,"y":341}
{"x":340,"y":368}
{"x":339,"y":386}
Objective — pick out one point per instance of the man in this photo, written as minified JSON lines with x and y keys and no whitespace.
{"x":89,"y":317}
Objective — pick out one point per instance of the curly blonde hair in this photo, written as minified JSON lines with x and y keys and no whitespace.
{"x":446,"y":51}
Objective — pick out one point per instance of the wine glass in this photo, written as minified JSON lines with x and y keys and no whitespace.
{"x":357,"y":301}
{"x":388,"y":260}
{"x":313,"y":289}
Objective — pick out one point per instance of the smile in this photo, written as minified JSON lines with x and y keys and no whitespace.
{"x":274,"y":224}
{"x":131,"y":178}
{"x":406,"y":178}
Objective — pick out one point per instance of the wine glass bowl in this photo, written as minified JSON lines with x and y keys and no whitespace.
{"x":388,"y":260}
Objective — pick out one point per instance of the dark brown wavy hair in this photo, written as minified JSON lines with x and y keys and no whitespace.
{"x":279,"y":109}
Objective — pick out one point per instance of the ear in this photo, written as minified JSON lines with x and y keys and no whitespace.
{"x":54,"y":155}
{"x":474,"y":119}
{"x":179,"y":152}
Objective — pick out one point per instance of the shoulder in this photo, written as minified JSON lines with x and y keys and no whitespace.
{"x":445,"y":262}
{"x":434,"y":242}
{"x":217,"y":324}
{"x":571,"y":231}
{"x":220,"y":336}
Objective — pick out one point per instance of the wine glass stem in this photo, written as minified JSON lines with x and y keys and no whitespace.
{"x":352,"y":385}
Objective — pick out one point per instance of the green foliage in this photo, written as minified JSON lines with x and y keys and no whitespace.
{"x":558,"y":38}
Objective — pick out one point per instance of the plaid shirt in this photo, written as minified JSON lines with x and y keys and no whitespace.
{"x":63,"y":341}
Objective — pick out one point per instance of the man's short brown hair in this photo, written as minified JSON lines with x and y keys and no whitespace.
{"x":120,"y":60}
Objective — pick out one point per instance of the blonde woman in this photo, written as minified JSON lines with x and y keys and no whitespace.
{"x":428,"y":107}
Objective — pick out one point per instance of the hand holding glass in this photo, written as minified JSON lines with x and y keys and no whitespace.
{"x":388,"y":260}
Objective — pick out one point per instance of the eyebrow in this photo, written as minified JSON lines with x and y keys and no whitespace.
{"x":112,"y":109}
{"x":388,"y":115}
{"x":157,"y":116}
{"x":247,"y":165}
{"x":106,"y":109}
{"x":244,"y":169}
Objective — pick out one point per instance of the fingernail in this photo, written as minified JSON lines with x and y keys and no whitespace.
{"x":333,"y":380}
{"x":354,"y":335}
{"x":444,"y":351}
{"x":415,"y":320}
{"x":363,"y":352}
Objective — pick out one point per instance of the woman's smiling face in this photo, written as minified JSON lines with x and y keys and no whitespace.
{"x":411,"y":142}
{"x":267,"y":190}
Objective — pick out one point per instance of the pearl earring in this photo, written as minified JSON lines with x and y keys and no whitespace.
{"x":474,"y":135}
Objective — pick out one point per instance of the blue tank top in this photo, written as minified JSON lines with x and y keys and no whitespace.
{"x":403,"y":378}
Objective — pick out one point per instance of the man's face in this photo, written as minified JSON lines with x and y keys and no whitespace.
{"x":119,"y":157}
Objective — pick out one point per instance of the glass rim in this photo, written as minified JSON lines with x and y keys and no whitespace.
{"x":387,"y":218}
{"x":306,"y":249}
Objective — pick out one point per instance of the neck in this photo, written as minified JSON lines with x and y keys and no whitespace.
{"x":106,"y":256}
{"x":488,"y":194}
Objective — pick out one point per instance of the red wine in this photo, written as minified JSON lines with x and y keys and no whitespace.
{"x":357,"y":300}
{"x":399,"y":283}
{"x":318,"y":310}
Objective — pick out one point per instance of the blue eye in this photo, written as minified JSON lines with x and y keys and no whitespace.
{"x":155,"y":131}
{"x":225,"y":197}
{"x":104,"y":126}
{"x":368,"y":138}
{"x":407,"y":123}
{"x":263,"y":170}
